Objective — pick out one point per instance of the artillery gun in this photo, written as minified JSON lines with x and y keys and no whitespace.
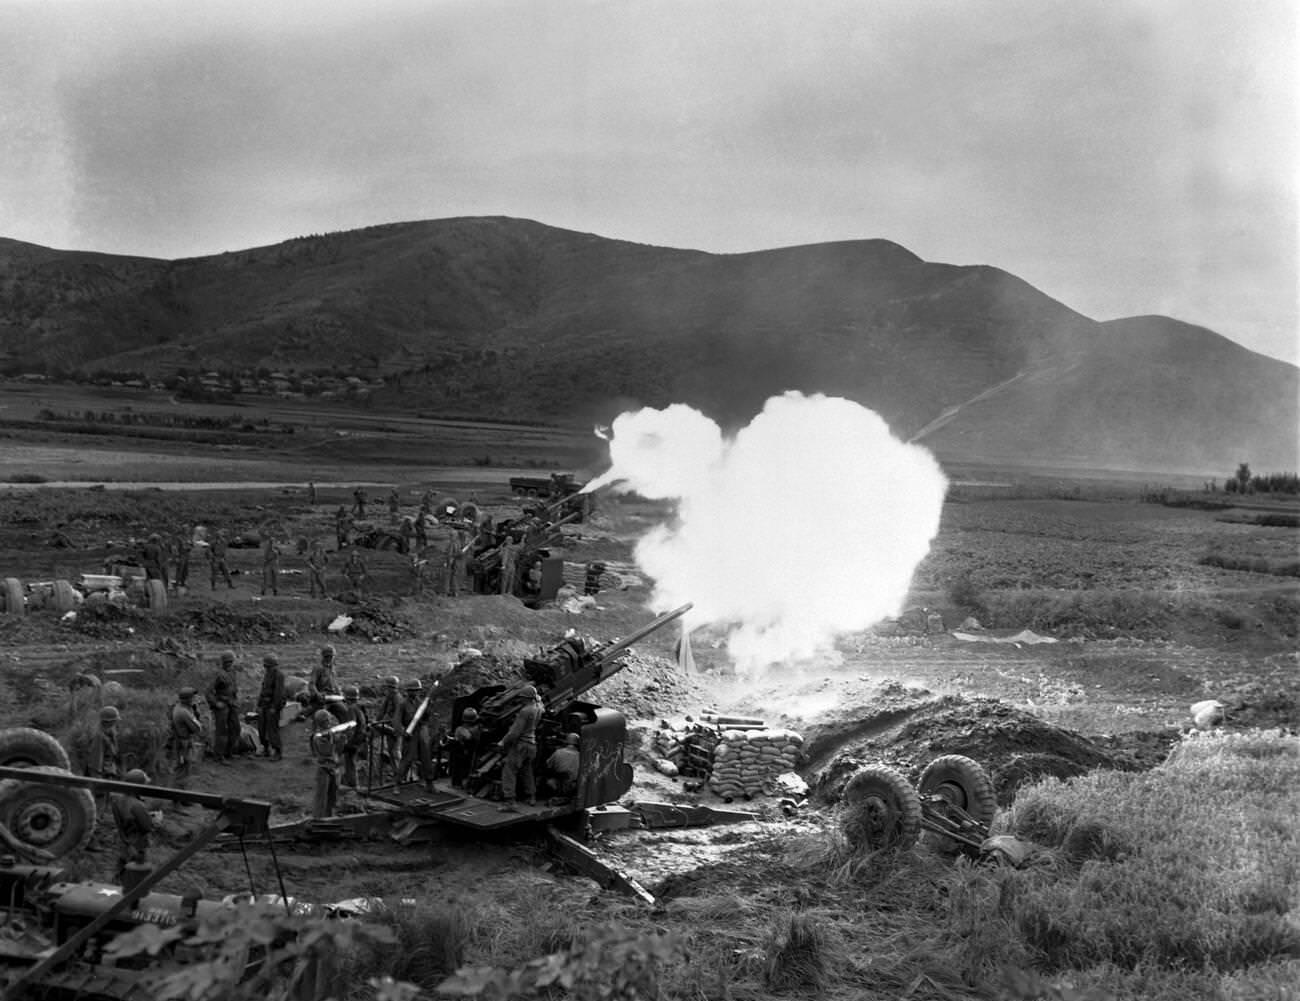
{"x":562,"y":675}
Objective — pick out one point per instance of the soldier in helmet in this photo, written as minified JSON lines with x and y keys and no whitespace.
{"x":217,"y":550}
{"x":222,"y":696}
{"x":185,"y":730}
{"x":519,"y":746}
{"x":102,"y":757}
{"x":270,"y":704}
{"x":134,"y":825}
{"x":325,"y":752}
{"x":154,"y":557}
{"x":563,"y":766}
{"x":386,"y":720}
{"x":323,"y":681}
{"x":464,"y":747}
{"x":354,"y":740}
{"x":417,"y":748}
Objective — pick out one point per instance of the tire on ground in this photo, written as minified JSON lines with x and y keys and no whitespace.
{"x":155,"y":594}
{"x":25,"y":747}
{"x":11,"y":597}
{"x":65,"y":598}
{"x":965,"y":784}
{"x":880,"y":810}
{"x":54,"y":818}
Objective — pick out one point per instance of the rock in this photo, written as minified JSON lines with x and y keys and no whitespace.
{"x":1207,"y":714}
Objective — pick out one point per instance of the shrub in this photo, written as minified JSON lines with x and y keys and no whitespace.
{"x":796,"y":955}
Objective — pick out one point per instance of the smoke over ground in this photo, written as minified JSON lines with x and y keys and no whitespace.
{"x":807,"y":524}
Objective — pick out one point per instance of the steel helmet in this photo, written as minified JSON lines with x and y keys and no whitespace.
{"x":270,"y":660}
{"x":572,"y":739}
{"x":185,"y":694}
{"x":109,"y":714}
{"x":137,"y":776}
{"x":328,"y":650}
{"x":228,"y":657}
{"x":529,"y":692}
{"x":323,"y":718}
{"x":352,"y":693}
{"x":469,"y":716}
{"x":412,"y":686}
{"x":392,"y":682}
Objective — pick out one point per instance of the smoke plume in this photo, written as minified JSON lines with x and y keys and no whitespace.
{"x":808,"y":523}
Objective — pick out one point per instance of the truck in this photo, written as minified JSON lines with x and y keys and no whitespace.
{"x":554,"y":486}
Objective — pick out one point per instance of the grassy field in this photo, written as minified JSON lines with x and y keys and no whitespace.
{"x":1177,"y":882}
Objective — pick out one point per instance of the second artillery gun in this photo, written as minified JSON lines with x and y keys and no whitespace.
{"x":562,"y":675}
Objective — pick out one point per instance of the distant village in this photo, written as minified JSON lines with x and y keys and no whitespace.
{"x":215,"y":386}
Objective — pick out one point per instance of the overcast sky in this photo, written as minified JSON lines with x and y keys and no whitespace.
{"x":1124,"y":156}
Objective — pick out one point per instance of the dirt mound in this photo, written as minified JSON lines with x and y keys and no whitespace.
{"x":379,"y":624}
{"x":907,"y":729}
{"x":230,"y":625}
{"x":649,"y":687}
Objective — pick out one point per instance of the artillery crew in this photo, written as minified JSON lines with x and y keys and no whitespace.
{"x":270,"y":704}
{"x":222,"y":697}
{"x":317,"y":561}
{"x":519,"y":746}
{"x":355,"y":740}
{"x":102,"y":756}
{"x":217,"y":549}
{"x":134,"y":825}
{"x":563,"y":764}
{"x":417,"y":749}
{"x":271,"y":566}
{"x":185,"y":731}
{"x":464,"y":747}
{"x":324,"y":747}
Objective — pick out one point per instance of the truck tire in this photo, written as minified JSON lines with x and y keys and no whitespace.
{"x":880,"y":810}
{"x":65,"y":598}
{"x":54,"y":818}
{"x":517,"y":491}
{"x":12,"y":601}
{"x":962,"y":782}
{"x":24,"y":747}
{"x":155,"y":595}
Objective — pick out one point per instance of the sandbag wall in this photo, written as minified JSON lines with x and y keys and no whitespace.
{"x":738,"y":760}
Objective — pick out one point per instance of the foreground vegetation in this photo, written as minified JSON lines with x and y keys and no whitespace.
{"x":1182,"y":882}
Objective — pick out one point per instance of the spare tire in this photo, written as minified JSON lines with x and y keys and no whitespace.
{"x":963,"y":783}
{"x":65,"y":598}
{"x":24,"y":747}
{"x":54,"y":818}
{"x":11,"y":597}
{"x":880,"y":810}
{"x":155,"y":594}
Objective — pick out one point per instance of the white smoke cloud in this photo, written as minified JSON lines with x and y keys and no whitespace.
{"x":809,"y":523}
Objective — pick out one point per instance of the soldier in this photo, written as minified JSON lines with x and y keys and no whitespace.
{"x":563,"y":765}
{"x":458,"y":545}
{"x":464,"y":747}
{"x":317,"y":561}
{"x":323,"y":681}
{"x":185,"y":731}
{"x":217,"y":559}
{"x":519,"y":746}
{"x":325,"y":753}
{"x":386,"y":721}
{"x":342,"y":523}
{"x":394,"y":503}
{"x":271,"y":566}
{"x":154,"y":558}
{"x":359,"y":502}
{"x":222,"y":695}
{"x":311,"y":493}
{"x":418,"y":567}
{"x":416,"y":747}
{"x":404,"y":533}
{"x":510,"y":548}
{"x":103,"y":760}
{"x":355,"y":572}
{"x":134,"y":825}
{"x":270,"y":704}
{"x":355,"y":740}
{"x":422,"y":530}
{"x":182,"y":544}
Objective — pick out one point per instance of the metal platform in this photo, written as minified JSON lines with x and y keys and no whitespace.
{"x":454,"y":806}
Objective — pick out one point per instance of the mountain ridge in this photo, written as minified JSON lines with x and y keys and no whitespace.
{"x":501,"y":317}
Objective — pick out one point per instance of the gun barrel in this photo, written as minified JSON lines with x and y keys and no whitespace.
{"x":608,"y":654}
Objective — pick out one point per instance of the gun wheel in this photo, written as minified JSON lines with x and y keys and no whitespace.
{"x":11,"y":597}
{"x":53,"y":818}
{"x":963,"y":783}
{"x":24,"y":747}
{"x":881,"y":810}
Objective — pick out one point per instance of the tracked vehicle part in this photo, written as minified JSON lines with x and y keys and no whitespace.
{"x":26,"y":747}
{"x":54,"y":819}
{"x":12,"y":601}
{"x":881,"y":810}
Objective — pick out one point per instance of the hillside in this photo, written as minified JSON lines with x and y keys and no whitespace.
{"x":507,"y":317}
